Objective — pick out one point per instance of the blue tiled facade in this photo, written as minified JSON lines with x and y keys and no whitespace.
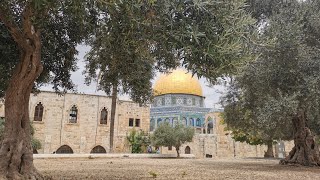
{"x":184,"y":108}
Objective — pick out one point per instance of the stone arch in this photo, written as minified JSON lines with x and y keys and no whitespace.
{"x":98,"y":150}
{"x":187,"y":150}
{"x":65,"y":149}
{"x":34,"y":151}
{"x":210,"y":124}
{"x":159,"y":120}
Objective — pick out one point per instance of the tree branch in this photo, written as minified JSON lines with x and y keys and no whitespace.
{"x":13,"y":29}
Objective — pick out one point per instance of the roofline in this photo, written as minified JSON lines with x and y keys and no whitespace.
{"x":180,"y":93}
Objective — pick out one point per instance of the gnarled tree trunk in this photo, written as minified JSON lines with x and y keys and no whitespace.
{"x":269,"y":153}
{"x":178,"y":153}
{"x":305,"y":151}
{"x":16,"y":157}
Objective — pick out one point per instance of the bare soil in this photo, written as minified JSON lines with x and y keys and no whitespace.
{"x":125,"y":168}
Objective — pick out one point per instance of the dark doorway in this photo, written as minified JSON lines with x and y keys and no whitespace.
{"x":187,"y":150}
{"x":65,"y":149}
{"x":35,"y":151}
{"x":98,"y":150}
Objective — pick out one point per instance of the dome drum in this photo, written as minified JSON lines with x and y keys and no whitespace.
{"x":169,"y":100}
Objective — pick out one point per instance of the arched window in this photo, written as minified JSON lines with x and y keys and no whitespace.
{"x":159,"y":121}
{"x":98,"y":150}
{"x":193,"y":101}
{"x":103,"y":116}
{"x":198,"y":123}
{"x":185,"y":121}
{"x":163,"y":101}
{"x":187,"y":150}
{"x":38,"y":112}
{"x":73,"y":114}
{"x":191,"y":122}
{"x":65,"y":149}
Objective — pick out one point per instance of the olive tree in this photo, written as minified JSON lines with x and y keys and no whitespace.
{"x":38,"y":40}
{"x":166,"y":135}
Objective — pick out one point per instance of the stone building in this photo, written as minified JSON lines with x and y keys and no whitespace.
{"x":80,"y":123}
{"x":179,"y":98}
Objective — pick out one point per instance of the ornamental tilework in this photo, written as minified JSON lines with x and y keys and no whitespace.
{"x":179,"y":100}
{"x":187,"y":110}
{"x":168,"y":100}
{"x":189,"y":101}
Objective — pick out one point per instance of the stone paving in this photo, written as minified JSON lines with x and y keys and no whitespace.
{"x":170,"y":168}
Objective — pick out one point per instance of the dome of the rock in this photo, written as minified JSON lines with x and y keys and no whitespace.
{"x":177,"y":82}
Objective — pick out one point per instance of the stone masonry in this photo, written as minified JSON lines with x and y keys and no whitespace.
{"x":217,"y":143}
{"x":55,"y":130}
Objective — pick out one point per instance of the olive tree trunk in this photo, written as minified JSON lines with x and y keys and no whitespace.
{"x":16,"y":154}
{"x":269,"y":153}
{"x":178,"y":151}
{"x":113,"y":114}
{"x":305,"y":151}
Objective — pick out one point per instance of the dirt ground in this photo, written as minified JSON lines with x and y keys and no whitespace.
{"x":125,"y":168}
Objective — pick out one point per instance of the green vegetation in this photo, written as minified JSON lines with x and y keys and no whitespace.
{"x":134,"y":39}
{"x":278,"y":95}
{"x":166,"y":135}
{"x":138,"y":141}
{"x":38,"y":40}
{"x":153,"y":174}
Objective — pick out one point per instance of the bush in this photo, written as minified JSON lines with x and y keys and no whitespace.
{"x":138,"y":141}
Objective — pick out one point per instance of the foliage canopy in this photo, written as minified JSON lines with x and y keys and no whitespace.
{"x":277,"y":95}
{"x":166,"y":135}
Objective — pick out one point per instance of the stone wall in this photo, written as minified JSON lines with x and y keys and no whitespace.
{"x":213,"y":146}
{"x":217,"y":143}
{"x":282,"y":148}
{"x":55,"y":129}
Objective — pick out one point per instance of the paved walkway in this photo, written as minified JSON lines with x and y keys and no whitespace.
{"x":115,"y":155}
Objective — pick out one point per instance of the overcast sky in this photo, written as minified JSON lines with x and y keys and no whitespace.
{"x":212,"y":94}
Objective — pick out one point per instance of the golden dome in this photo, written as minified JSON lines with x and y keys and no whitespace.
{"x":177,"y":82}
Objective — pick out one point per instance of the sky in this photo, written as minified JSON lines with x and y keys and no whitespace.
{"x":212,"y":94}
